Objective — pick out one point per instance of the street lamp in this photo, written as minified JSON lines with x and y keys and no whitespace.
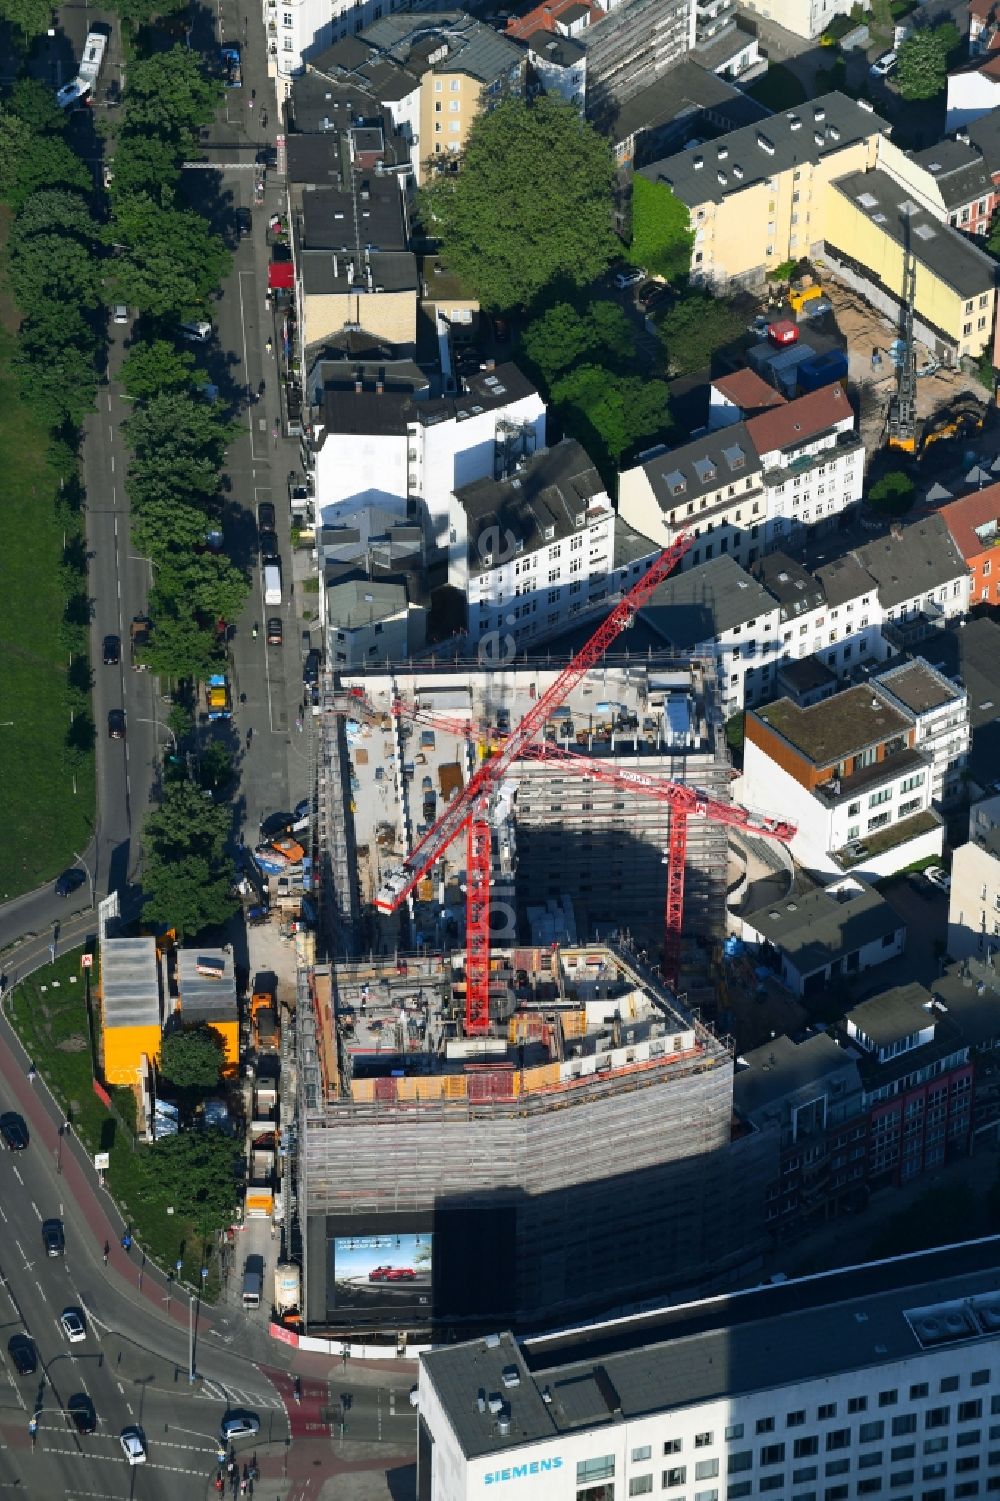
{"x":160,"y":726}
{"x":90,"y":877}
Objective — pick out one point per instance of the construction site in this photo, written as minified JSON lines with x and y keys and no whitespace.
{"x":579,"y":1156}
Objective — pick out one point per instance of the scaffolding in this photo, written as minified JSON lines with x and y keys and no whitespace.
{"x":338,"y":863}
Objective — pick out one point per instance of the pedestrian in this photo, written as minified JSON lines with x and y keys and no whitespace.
{"x":263,"y":119}
{"x":107,"y":1251}
{"x":268,"y":345}
{"x":261,"y":389}
{"x":249,"y":736}
{"x":298,"y":724}
{"x":243,"y":698}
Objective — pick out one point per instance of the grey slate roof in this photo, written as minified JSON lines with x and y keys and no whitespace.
{"x":765,"y":1339}
{"x":324,"y":272}
{"x":822,"y":927}
{"x":971,"y":992}
{"x":840,"y":121}
{"x":367,"y":212}
{"x":204,"y":999}
{"x":409,"y":38}
{"x":912,"y":560}
{"x":783,"y":1067}
{"x":801,"y":675}
{"x":353,"y":411}
{"x":843,"y":579}
{"x":680,"y":475}
{"x":951,"y":256}
{"x":893,"y":1015}
{"x":357,"y":603}
{"x":130,"y":984}
{"x":793,"y":586}
{"x":679,"y":92}
{"x":546,"y":496}
{"x":552,"y":47}
{"x":698,"y":605}
{"x":959,"y":171}
{"x":970,"y":651}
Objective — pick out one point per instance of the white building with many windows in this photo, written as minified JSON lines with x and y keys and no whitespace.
{"x":940,"y":714}
{"x":833,"y":614}
{"x":751,"y":486}
{"x":535,"y":550}
{"x":878,"y":1380}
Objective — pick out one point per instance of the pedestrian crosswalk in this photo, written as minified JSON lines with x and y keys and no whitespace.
{"x":239,"y":1396}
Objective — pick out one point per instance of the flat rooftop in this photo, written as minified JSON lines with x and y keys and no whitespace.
{"x":837,"y":1322}
{"x":836,"y":728}
{"x":920,"y":687}
{"x":207,"y":997}
{"x":130,"y":983}
{"x":893,"y":1015}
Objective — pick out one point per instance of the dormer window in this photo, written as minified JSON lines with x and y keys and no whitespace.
{"x":549,"y":533}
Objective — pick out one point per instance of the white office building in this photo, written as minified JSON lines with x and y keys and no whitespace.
{"x":407,"y":453}
{"x":880,"y":1380}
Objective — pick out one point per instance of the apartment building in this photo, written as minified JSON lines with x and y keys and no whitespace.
{"x":974,"y":900}
{"x":534,"y":550}
{"x":832,"y":614}
{"x":806,"y":18}
{"x":349,"y":221}
{"x":973,"y":91}
{"x":371,"y":623}
{"x":856,"y":1382}
{"x":739,"y":395}
{"x":920,"y":573}
{"x":750,"y":486}
{"x":298,"y":30}
{"x":434,"y":71}
{"x":867,"y":225}
{"x":939,"y":710}
{"x":847,"y":772}
{"x":758,"y":196}
{"x":636,"y":44}
{"x":824,"y":934}
{"x":974,"y":523}
{"x":387,"y":444}
{"x":951,"y":180}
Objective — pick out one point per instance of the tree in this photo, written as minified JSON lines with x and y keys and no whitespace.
{"x":34,"y":102}
{"x":194,"y":1173}
{"x":37,"y":162}
{"x":145,"y":165}
{"x":192,"y":1057}
{"x":696,"y":327}
{"x":60,"y":382}
{"x":54,"y":267}
{"x":28,"y":18}
{"x":215,"y":765}
{"x":185,"y":822}
{"x":168,"y":96}
{"x":208,"y":582}
{"x":187,"y":876}
{"x":892,"y":493}
{"x":157,"y":368}
{"x":169,"y":261}
{"x":531,"y":205}
{"x":181,"y":646}
{"x":54,"y":210}
{"x":662,"y":237}
{"x":609,"y":413}
{"x":562,"y":336}
{"x":137,"y":13}
{"x":922,"y":70}
{"x":164,"y":524}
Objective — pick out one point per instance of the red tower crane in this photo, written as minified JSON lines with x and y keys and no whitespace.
{"x":682,"y":799}
{"x":471,"y":809}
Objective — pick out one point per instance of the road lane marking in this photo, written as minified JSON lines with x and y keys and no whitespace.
{"x":38,"y":1213}
{"x":17,"y":1175}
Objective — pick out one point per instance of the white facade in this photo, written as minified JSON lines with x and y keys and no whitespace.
{"x":425,"y":462}
{"x":942,"y":727}
{"x":823,"y":479}
{"x":843,"y":635}
{"x":974,"y":900}
{"x":807,"y":18}
{"x":971,"y":94}
{"x":566,"y":81}
{"x":300,"y":29}
{"x":951,"y":598}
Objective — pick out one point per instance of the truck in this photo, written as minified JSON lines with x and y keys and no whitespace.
{"x":88,"y":72}
{"x":253,"y":1281}
{"x":264,"y":1022}
{"x":139,"y":631}
{"x":287,"y":1292}
{"x":218,"y":700}
{"x":272,"y":582}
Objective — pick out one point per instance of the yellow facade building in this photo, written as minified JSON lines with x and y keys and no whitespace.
{"x":131,"y":1007}
{"x":758,"y":196}
{"x":206,"y":986}
{"x":870,"y":217}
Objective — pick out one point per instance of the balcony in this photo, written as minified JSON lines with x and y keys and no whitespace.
{"x":804,"y":463}
{"x":842,"y":789}
{"x":890,"y":838}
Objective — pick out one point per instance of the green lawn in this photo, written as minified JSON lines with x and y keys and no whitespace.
{"x":49,"y":1012}
{"x":778,"y":89}
{"x":44,"y":820}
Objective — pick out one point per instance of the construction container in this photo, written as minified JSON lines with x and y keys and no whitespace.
{"x":783,"y":333}
{"x":822,"y":370}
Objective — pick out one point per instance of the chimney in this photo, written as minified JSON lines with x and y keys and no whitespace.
{"x":336,"y":268}
{"x":350,"y":273}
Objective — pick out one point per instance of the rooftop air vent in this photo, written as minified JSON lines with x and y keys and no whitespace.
{"x":698,"y":163}
{"x":764,"y":143}
{"x":723,"y":178}
{"x":794,"y":123}
{"x":819,"y":137}
{"x":819,"y":113}
{"x":737,"y":170}
{"x":833,"y":132}
{"x":723,"y":152}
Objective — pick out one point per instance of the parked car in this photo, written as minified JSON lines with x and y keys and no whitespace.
{"x":71,"y":1322}
{"x":53,"y":1237}
{"x":939,"y":877}
{"x":266,"y":516}
{"x":133,"y":1442}
{"x":70,"y":881}
{"x":112,"y":653}
{"x":238,"y":1425}
{"x":268,"y":545}
{"x":244,"y":222}
{"x":119,"y":313}
{"x":883,"y":64}
{"x":13,"y":1131}
{"x":23,"y":1355}
{"x":630,"y":277}
{"x":311,"y":667}
{"x":197,"y":332}
{"x":274,"y":631}
{"x":81,"y":1413}
{"x":116,"y":724}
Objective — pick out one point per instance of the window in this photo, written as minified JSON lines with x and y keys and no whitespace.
{"x":640,"y":1485}
{"x":857,"y":1404}
{"x":838,"y":1438}
{"x":672,"y":1446}
{"x":870,"y":1433}
{"x":902,"y":1451}
{"x":905,"y":1423}
{"x":706,"y":1469}
{"x":588,"y":1470}
{"x":949,"y":1383}
{"x":935,"y":1445}
{"x":741,"y":1488}
{"x":882,"y":796}
{"x":795,"y":1419}
{"x":674,"y":1477}
{"x":968,"y":1412}
{"x":704,"y":1440}
{"x":735,"y":1430}
{"x":645,"y":1451}
{"x":772,"y":1482}
{"x":937,"y":1417}
{"x":979,"y":1378}
{"x":455,"y":85}
{"x":837,"y":1467}
{"x":888,"y":1399}
{"x":872,"y":1484}
{"x":835,"y":1493}
{"x":901,"y":1477}
{"x":804,"y":1448}
{"x":765,"y":1425}
{"x":826,"y":1410}
{"x":772,"y":1454}
{"x":807,"y":1472}
{"x":741,"y":1460}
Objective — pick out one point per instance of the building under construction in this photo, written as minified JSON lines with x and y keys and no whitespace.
{"x":581,"y":1156}
{"x":580,"y":858}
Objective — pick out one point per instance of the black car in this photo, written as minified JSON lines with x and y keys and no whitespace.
{"x":268,"y":545}
{"x":116,"y":724}
{"x":70,"y":881}
{"x":23,"y":1355}
{"x":112,"y":651}
{"x":13,"y":1131}
{"x":81,"y":1413}
{"x":266,"y":516}
{"x":53,"y":1238}
{"x":311,"y":666}
{"x":244,"y":222}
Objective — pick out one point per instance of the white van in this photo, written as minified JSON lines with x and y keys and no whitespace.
{"x":272,"y":582}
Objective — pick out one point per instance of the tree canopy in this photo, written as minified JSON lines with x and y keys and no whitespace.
{"x":194,"y":1172}
{"x":696,"y":327}
{"x":531,"y":206}
{"x":662,"y":237}
{"x":168,"y":260}
{"x":28,"y":18}
{"x":609,"y":412}
{"x":922,"y":70}
{"x":187,"y":874}
{"x":169,"y":96}
{"x":192,"y":1057}
{"x":157,"y":368}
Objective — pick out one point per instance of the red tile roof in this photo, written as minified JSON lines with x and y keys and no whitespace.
{"x":749,"y":391}
{"x":798,"y":421}
{"x":544,"y":17}
{"x":963,"y":516}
